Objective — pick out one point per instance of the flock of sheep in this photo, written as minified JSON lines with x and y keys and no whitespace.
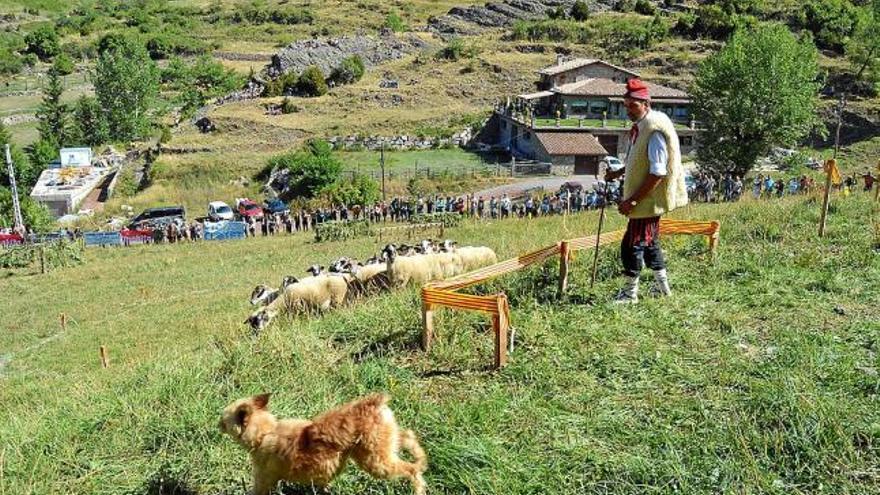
{"x":346,"y":279}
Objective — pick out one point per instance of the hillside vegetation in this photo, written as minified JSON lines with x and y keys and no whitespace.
{"x":758,"y":376}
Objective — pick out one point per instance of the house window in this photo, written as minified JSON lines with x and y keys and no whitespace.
{"x":579,"y":109}
{"x":597,"y":107}
{"x":681,"y":112}
{"x":687,"y":140}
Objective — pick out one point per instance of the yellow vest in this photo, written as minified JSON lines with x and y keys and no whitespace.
{"x":671,"y":191}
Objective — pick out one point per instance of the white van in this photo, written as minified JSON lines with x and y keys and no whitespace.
{"x":218,"y":210}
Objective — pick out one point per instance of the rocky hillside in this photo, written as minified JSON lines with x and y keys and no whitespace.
{"x":474,"y":19}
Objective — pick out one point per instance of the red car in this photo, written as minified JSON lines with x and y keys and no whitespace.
{"x":248,"y":208}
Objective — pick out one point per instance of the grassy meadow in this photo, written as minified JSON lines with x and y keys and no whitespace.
{"x":759,"y":375}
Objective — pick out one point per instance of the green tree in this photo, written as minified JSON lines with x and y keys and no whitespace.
{"x":863,"y":49}
{"x":89,"y":125}
{"x":63,"y":64}
{"x":831,"y":21}
{"x":40,"y":155}
{"x":758,"y":91}
{"x":24,"y":175}
{"x":43,"y":42}
{"x":126,"y":83}
{"x":361,"y":190}
{"x":580,"y":11}
{"x":311,"y":170}
{"x":36,"y":217}
{"x":53,"y":115}
{"x":349,"y":71}
{"x":312,"y":83}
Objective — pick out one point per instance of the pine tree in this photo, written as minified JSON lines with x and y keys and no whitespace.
{"x":52,"y":114}
{"x":89,"y":124}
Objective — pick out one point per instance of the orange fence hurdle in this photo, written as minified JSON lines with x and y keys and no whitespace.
{"x":444,"y":293}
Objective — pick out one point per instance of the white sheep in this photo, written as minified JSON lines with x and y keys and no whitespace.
{"x":369,"y":278}
{"x":316,"y":293}
{"x":403,"y":270}
{"x":263,"y":294}
{"x":472,"y":257}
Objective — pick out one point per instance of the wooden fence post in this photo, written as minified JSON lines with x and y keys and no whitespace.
{"x":501,"y":325}
{"x":42,"y":260}
{"x":563,"y":267}
{"x":63,"y":318}
{"x":427,"y":324}
{"x":713,"y":239}
{"x":105,"y":360}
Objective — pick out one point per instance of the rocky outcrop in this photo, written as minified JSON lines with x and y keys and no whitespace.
{"x":477,"y":18}
{"x":329,"y":54}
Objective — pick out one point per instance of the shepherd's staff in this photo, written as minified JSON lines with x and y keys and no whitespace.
{"x":599,"y":234}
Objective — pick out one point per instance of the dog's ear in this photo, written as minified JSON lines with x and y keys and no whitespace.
{"x":260,"y":401}
{"x":241,"y":417}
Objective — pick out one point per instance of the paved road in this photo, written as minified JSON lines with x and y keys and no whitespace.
{"x":549,"y":184}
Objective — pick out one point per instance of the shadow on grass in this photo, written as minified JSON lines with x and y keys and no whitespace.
{"x":402,"y":340}
{"x":164,"y":483}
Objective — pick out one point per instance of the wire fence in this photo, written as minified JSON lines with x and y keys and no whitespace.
{"x":499,"y":169}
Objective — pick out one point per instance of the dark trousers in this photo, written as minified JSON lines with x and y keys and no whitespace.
{"x":636,"y":254}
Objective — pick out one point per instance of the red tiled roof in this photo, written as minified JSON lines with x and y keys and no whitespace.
{"x":570,"y":143}
{"x":607,"y":87}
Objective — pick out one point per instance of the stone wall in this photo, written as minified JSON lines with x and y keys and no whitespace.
{"x":404,"y":142}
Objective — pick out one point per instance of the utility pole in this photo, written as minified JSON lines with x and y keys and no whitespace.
{"x":382,"y":163}
{"x":16,"y":208}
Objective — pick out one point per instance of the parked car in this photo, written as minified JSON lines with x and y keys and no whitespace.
{"x":275,"y":206}
{"x":218,"y":210}
{"x":248,"y":209}
{"x":612,"y":163}
{"x":158,"y":217}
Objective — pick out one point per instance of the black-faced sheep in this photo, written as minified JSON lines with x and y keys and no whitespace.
{"x":311,"y":294}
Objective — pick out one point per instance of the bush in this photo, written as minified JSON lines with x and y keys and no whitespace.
{"x":281,"y":85}
{"x":645,"y":7}
{"x":310,"y":170}
{"x":312,"y":82}
{"x":580,"y":11}
{"x":361,"y":190}
{"x":43,"y":42}
{"x":257,"y":14}
{"x":287,"y":106}
{"x":447,"y":218}
{"x":167,"y":43}
{"x":558,"y":13}
{"x":395,"y":23}
{"x":832,"y":22}
{"x":63,"y":65}
{"x":338,"y":231}
{"x":457,"y":50}
{"x":11,"y":63}
{"x":350,"y":71}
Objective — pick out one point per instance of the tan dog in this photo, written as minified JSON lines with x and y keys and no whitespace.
{"x":314,"y":452}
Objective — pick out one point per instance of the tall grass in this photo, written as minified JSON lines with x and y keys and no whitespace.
{"x":757,"y":376}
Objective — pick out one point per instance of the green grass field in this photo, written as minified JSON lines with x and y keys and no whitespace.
{"x":758,"y":376}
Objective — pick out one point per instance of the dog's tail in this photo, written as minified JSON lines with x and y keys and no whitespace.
{"x":375,"y":401}
{"x":409,"y":442}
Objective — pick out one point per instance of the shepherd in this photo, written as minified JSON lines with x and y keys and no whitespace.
{"x":653,"y":185}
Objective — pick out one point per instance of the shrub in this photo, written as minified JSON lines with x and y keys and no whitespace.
{"x":350,"y":71}
{"x":395,"y":23}
{"x":257,"y":14}
{"x":310,"y":170}
{"x":281,"y":85}
{"x":11,"y":63}
{"x":287,"y":106}
{"x":361,"y":190}
{"x":338,"y":231}
{"x":312,"y":82}
{"x":43,"y":42}
{"x":167,"y":43}
{"x":63,"y":64}
{"x":645,"y":7}
{"x":558,"y":13}
{"x":580,"y":11}
{"x":456,"y":50}
{"x":832,"y":22}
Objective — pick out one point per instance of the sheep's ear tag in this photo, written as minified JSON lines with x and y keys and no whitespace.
{"x":261,"y":400}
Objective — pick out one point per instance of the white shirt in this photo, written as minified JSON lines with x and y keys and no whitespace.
{"x":657,"y":154}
